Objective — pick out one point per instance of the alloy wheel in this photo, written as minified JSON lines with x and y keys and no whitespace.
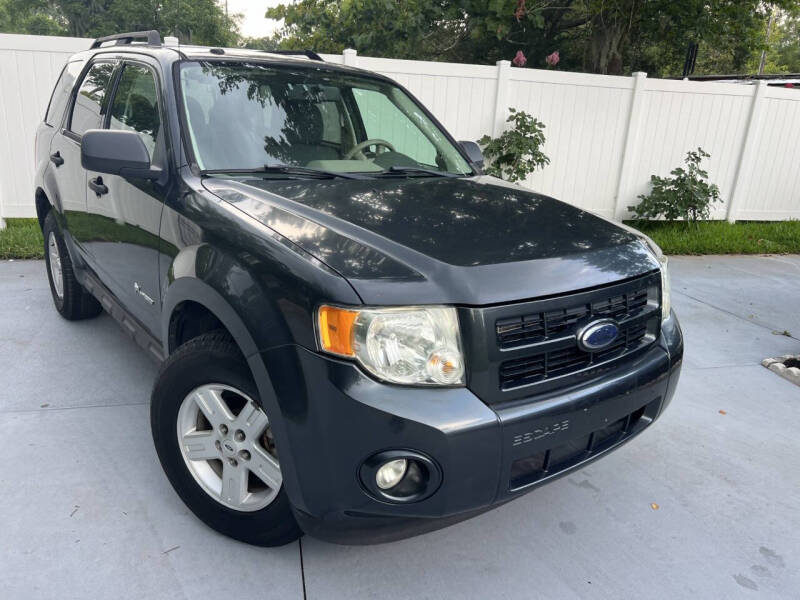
{"x":55,"y":265}
{"x":227,"y":445}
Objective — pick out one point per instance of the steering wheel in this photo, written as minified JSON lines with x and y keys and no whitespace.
{"x":365,"y":144}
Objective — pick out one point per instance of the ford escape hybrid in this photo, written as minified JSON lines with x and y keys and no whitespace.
{"x":362,"y":336}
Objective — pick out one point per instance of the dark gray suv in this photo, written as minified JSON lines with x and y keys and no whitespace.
{"x":362,"y":336}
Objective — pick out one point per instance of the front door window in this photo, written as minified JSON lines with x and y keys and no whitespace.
{"x":89,"y":107}
{"x":135,"y":106}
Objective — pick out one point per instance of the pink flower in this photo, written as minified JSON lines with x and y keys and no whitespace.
{"x":552,"y":59}
{"x":519,"y":59}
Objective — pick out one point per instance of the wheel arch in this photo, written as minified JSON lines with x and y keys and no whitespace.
{"x":192,"y":291}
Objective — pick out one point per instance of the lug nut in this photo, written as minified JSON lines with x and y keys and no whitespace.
{"x":223,"y":429}
{"x":239,"y":435}
{"x":218,"y":445}
{"x":244,"y":455}
{"x":233,"y":462}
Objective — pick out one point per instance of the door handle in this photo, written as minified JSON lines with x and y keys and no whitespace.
{"x":56,"y":159}
{"x":97,"y":186}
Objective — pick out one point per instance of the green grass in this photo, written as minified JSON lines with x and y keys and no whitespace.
{"x":721,"y":237}
{"x":22,"y":238}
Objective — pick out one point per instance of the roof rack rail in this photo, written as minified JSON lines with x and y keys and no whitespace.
{"x":153,"y":38}
{"x":307,"y":53}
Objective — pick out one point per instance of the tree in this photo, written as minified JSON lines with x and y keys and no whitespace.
{"x":400,"y":29}
{"x":195,"y":21}
{"x":730,"y":33}
{"x":601,"y":36}
{"x":35,"y":17}
{"x":783,"y":53}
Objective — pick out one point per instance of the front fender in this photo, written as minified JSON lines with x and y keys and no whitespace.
{"x":192,"y":289}
{"x":260,"y":286}
{"x":258,"y":312}
{"x":195,"y":290}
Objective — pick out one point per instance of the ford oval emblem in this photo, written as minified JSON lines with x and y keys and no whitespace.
{"x":598,"y":335}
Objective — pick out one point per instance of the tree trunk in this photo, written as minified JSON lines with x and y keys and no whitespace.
{"x":605,"y":47}
{"x":610,"y":31}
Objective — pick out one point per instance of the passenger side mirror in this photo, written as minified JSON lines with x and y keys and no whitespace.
{"x":473,"y":152}
{"x":117,"y":152}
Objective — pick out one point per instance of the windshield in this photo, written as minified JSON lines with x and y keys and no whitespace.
{"x":248,"y":115}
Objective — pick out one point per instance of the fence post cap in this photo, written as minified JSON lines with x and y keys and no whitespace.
{"x":639,"y":74}
{"x":503,"y":63}
{"x":350,"y":57}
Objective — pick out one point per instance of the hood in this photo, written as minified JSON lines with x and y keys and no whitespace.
{"x":470,"y":241}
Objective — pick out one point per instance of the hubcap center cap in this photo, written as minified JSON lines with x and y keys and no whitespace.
{"x":229,"y":448}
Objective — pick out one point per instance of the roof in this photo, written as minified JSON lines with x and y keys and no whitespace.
{"x":278,"y":58}
{"x":193,"y":51}
{"x":152,"y":39}
{"x":150,"y":42}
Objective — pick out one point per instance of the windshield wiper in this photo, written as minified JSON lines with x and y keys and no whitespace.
{"x":284,"y":170}
{"x":396,"y":169}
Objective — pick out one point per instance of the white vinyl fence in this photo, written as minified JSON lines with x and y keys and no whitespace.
{"x":605,"y":135}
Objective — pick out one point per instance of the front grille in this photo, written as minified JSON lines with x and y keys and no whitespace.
{"x":515,"y":373}
{"x":541,"y":344}
{"x":538,"y":327}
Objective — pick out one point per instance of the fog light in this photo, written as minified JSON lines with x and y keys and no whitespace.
{"x":390,"y":474}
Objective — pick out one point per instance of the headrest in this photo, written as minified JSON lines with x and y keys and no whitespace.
{"x":303,"y":122}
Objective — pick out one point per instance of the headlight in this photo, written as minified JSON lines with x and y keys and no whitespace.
{"x":662,"y":260}
{"x":415,"y":345}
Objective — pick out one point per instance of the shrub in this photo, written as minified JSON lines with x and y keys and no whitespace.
{"x":517,"y":152}
{"x":686,"y":195}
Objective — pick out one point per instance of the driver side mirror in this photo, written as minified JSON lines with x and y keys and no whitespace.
{"x":473,"y":153}
{"x":117,"y":152}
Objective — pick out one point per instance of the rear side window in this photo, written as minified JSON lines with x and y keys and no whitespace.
{"x":60,"y":97}
{"x":135,"y":105}
{"x":89,"y":107}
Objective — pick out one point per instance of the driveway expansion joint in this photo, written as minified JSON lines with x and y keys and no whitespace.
{"x":733,"y":314}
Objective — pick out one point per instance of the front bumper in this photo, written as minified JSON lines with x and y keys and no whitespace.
{"x":335,"y":417}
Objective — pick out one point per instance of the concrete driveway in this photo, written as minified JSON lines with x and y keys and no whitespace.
{"x":87,"y":513}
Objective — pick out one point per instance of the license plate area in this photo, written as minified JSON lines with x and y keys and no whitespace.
{"x":554,"y":448}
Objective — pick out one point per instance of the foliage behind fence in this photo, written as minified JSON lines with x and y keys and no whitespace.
{"x":606,"y":135}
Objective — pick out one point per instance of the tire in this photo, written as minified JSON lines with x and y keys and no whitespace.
{"x":72,"y":301}
{"x":199,"y":375}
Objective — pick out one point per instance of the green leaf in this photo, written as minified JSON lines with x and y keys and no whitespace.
{"x":686,"y":195}
{"x":517,"y":152}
